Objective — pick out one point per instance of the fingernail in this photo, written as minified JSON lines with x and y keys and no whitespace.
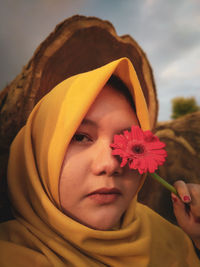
{"x":186,"y":199}
{"x":174,"y":199}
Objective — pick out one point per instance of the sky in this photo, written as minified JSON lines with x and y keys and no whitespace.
{"x":168,"y":32}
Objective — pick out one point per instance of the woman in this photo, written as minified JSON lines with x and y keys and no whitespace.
{"x":73,"y":203}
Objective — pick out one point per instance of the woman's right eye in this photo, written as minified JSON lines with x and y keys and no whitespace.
{"x":81,"y":138}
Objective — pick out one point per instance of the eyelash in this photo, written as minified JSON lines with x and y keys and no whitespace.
{"x":79,"y":138}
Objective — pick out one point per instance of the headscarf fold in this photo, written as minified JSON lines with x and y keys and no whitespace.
{"x":41,"y":234}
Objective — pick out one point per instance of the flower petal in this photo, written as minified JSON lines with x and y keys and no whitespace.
{"x":141,"y":149}
{"x":137,"y":133}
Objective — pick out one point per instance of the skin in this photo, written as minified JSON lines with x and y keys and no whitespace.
{"x":89,"y":164}
{"x":189,"y":221}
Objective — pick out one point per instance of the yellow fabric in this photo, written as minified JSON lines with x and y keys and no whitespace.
{"x":41,"y":235}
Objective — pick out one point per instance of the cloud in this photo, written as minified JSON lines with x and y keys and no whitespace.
{"x":168,"y":32}
{"x":186,"y":67}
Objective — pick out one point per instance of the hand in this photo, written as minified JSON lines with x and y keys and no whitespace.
{"x":187,"y":209}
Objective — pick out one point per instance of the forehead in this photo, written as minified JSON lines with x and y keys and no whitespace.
{"x":110,"y":101}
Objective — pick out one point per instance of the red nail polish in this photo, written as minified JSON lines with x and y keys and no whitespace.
{"x":174,"y":199}
{"x":186,"y":199}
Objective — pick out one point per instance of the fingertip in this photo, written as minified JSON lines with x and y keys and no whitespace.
{"x":174,"y":198}
{"x":183,"y":191}
{"x":186,"y":199}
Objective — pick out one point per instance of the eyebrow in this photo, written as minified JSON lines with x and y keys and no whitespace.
{"x":93,"y":123}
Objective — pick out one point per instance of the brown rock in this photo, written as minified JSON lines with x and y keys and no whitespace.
{"x":182,"y":138}
{"x":78,"y":44}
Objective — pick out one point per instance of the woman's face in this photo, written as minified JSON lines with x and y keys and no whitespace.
{"x":93,"y":189}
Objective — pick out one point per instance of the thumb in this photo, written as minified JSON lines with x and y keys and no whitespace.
{"x":180,"y":211}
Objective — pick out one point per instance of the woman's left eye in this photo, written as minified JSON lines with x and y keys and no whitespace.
{"x":81,"y":138}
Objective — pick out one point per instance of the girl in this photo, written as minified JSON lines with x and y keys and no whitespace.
{"x":73,"y":203}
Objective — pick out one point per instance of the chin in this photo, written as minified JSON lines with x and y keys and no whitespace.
{"x":101,"y":221}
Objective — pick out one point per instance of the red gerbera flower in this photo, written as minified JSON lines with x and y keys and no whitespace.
{"x":140,"y":149}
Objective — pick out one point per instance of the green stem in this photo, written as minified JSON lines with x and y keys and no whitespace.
{"x":164,"y":183}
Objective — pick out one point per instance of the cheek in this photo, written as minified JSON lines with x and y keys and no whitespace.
{"x":132,"y":183}
{"x":73,"y":166}
{"x":73,"y":173}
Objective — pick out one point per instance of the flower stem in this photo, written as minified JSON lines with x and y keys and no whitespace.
{"x":164,"y":183}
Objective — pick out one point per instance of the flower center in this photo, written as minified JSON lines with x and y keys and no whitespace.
{"x":138,"y":149}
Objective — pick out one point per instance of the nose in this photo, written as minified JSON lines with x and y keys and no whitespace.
{"x":104,"y":163}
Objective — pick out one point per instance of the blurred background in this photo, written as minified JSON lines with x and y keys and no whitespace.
{"x":168,"y":32}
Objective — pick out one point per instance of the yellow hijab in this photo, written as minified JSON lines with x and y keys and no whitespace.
{"x":41,"y":235}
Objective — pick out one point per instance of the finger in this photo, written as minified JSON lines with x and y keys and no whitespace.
{"x":195,"y":202}
{"x":180,"y":212}
{"x":183,"y":191}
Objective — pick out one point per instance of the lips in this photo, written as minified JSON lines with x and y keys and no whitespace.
{"x":105,"y":195}
{"x":106,"y":191}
